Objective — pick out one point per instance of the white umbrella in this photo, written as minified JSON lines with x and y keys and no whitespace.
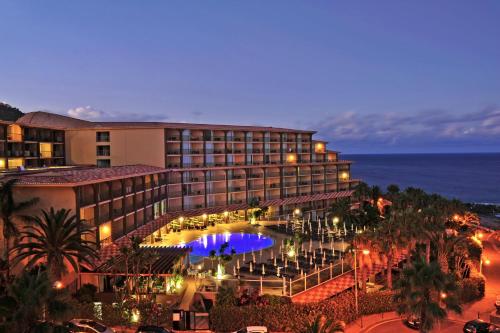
{"x":282,"y":256}
{"x":238,"y":263}
{"x":253,"y":257}
{"x":322,"y":261}
{"x":310,"y":244}
{"x":310,"y":261}
{"x":305,"y":254}
{"x":314,"y":254}
{"x":301,"y":272}
{"x":234,"y":271}
{"x":297,"y":264}
{"x":244,"y":257}
{"x":286,"y":262}
{"x":274,"y":261}
{"x":251,"y":267}
{"x":272,"y":253}
{"x":278,"y":272}
{"x":263,"y":269}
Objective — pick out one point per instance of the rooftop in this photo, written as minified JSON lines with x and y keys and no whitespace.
{"x":57,"y":121}
{"x":82,"y":176}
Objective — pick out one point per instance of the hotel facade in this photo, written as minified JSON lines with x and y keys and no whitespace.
{"x":145,"y":178}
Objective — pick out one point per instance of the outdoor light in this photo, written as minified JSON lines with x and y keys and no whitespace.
{"x":443,"y":295}
{"x":480,"y":235}
{"x":336,"y":220}
{"x":456,"y":217}
{"x":296,"y":211}
{"x":345,"y":175}
{"x":135,"y":316}
{"x":366,"y":252}
{"x":204,"y":216}
{"x":291,"y":253}
{"x":226,"y":213}
{"x":58,"y":285}
{"x":181,"y":219}
{"x":487,"y":261}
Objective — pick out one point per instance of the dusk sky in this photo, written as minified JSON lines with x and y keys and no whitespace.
{"x":371,"y":76}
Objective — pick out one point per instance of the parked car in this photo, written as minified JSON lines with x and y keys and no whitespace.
{"x":253,"y":329}
{"x":478,"y":326}
{"x":152,"y":329}
{"x":87,"y":326}
{"x":412,"y":322}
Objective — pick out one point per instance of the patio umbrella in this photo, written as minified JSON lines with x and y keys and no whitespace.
{"x":253,"y":257}
{"x":238,"y":263}
{"x":352,"y":227}
{"x":282,"y":256}
{"x":301,"y":272}
{"x":286,"y":262}
{"x":272,"y":253}
{"x":310,"y":244}
{"x":251,"y":267}
{"x":274,"y":261}
{"x":297,"y":264}
{"x":234,"y":271}
{"x":315,"y":267}
{"x":244,"y":257}
{"x":260,"y":254}
{"x":314,"y":254}
{"x":305,"y":254}
{"x":322,"y":261}
{"x":310,"y":261}
{"x":302,"y":247}
{"x":263,"y":269}
{"x":278,"y":272}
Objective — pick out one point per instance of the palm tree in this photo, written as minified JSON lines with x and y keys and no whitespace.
{"x":362,"y":192}
{"x":427,"y":293}
{"x":322,"y":325}
{"x":387,"y":239}
{"x":342,"y":209}
{"x":9,"y":208}
{"x":56,"y":239}
{"x":30,"y":299}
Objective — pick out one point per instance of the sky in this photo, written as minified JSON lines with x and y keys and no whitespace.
{"x":369,"y":76}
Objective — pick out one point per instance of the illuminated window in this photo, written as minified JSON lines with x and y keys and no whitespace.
{"x":2,"y":163}
{"x":45,"y":150}
{"x":15,"y":163}
{"x":14,"y":133}
{"x":291,"y":158}
{"x":319,"y":147}
{"x":104,"y":231}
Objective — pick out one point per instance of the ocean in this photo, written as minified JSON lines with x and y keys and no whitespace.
{"x":468,"y":177}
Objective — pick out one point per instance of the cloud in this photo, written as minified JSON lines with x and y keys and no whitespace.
{"x":86,"y":113}
{"x":428,"y":127}
{"x":93,"y":114}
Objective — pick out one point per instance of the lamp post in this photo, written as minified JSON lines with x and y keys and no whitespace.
{"x":365,"y":252}
{"x":486,"y":261}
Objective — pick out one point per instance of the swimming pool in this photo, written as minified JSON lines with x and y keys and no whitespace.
{"x":240,"y":241}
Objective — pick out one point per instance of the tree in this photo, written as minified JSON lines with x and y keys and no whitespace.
{"x":426,"y":293}
{"x":362,"y":192}
{"x":323,"y":325}
{"x":387,"y":239}
{"x":393,"y":189}
{"x":342,"y":209}
{"x":32,"y":304}
{"x":56,"y":239}
{"x":9,"y":208}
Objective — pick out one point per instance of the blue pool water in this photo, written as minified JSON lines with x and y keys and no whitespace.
{"x":241,"y":242}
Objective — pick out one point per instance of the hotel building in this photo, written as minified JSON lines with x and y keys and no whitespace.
{"x":143,"y":178}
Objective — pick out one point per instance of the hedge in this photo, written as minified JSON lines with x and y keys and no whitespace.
{"x":293,"y":317}
{"x":471,"y":289}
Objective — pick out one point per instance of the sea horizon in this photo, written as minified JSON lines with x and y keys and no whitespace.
{"x":470,"y":177}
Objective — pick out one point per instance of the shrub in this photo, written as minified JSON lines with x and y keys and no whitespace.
{"x":86,"y":293}
{"x":471,"y":289}
{"x":283,"y":316}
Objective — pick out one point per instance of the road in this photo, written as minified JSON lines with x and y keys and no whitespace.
{"x":395,"y":325}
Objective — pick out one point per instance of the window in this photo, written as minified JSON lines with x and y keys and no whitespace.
{"x":103,"y":163}
{"x":15,"y":163}
{"x":102,"y":136}
{"x":45,"y":150}
{"x":103,"y":151}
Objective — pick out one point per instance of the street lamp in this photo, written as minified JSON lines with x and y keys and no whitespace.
{"x":364,"y":252}
{"x":486,"y":261}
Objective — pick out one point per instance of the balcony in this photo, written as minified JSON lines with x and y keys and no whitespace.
{"x":193,"y":193}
